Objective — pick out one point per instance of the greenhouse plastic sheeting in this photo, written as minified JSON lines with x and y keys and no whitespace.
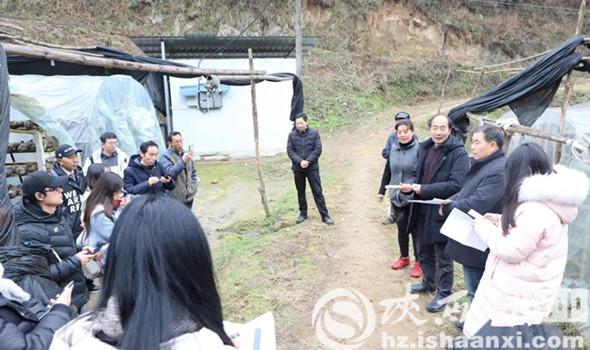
{"x":577,"y":274}
{"x":78,"y":109}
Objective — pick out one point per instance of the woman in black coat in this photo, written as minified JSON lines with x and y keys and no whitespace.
{"x":24,"y":322}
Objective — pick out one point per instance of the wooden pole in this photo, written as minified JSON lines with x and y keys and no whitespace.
{"x":477,"y":82}
{"x":444,"y":88}
{"x":569,"y":86}
{"x":262,"y":188}
{"x":298,"y":38}
{"x":93,"y":60}
{"x":525,"y":130}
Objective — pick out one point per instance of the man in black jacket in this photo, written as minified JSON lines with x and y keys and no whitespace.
{"x":145,"y":174}
{"x":304,"y":148}
{"x":482,"y":192}
{"x":40,"y":220}
{"x":67,"y":165}
{"x":440,"y":172}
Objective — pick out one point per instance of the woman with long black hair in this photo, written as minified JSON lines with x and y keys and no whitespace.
{"x":159,"y":289}
{"x":101,"y":209}
{"x":528,"y":244}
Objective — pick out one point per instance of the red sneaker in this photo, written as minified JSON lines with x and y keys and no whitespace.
{"x":416,"y":270}
{"x":400,"y":263}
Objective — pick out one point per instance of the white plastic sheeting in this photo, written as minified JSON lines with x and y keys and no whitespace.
{"x":78,"y":109}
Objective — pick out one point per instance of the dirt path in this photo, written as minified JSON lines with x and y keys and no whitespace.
{"x":367,"y":247}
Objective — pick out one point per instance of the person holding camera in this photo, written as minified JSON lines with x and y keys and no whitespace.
{"x":180,"y":165}
{"x":145,"y":174}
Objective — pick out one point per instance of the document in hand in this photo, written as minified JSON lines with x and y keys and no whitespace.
{"x":434,"y":201}
{"x":459,"y":226}
{"x":393,"y":187}
{"x":255,"y":335}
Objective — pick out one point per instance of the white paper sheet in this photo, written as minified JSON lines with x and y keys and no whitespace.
{"x":434,"y":201}
{"x":459,"y":226}
{"x":258,"y":334}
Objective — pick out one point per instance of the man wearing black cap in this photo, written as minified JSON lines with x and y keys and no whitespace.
{"x":391,"y":140}
{"x":67,"y":165}
{"x":40,"y":219}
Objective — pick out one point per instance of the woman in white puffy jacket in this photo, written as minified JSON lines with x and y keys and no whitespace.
{"x":528,"y":242}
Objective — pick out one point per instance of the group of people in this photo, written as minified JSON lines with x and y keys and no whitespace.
{"x":527,"y":204}
{"x":69,"y":218}
{"x":158,"y":266}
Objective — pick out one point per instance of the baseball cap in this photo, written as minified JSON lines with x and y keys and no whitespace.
{"x":40,"y":180}
{"x":66,"y":151}
{"x":402,"y":116}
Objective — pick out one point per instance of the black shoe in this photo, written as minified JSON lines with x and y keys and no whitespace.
{"x":328,"y":220}
{"x":458,"y":325}
{"x":420,"y":288}
{"x":300,"y":219}
{"x":436,"y":304}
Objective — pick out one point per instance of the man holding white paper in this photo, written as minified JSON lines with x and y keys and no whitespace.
{"x":440,"y":172}
{"x":483,"y":193}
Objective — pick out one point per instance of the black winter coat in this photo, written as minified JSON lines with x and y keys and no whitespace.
{"x":305,"y":145}
{"x":483,"y":192}
{"x":72,"y":195}
{"x":37,"y":227}
{"x":447,"y":179}
{"x":28,"y":326}
{"x":136,"y":178}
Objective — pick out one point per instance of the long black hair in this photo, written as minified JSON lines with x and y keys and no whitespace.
{"x":107,"y":185}
{"x":93,"y":173}
{"x":160,"y":270}
{"x":526,"y":160}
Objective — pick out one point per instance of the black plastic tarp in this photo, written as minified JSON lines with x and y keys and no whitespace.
{"x":7,"y":227}
{"x":528,"y":93}
{"x":153,"y":82}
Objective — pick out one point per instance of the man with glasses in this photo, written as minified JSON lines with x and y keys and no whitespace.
{"x":40,"y":219}
{"x":67,"y":165}
{"x":108,"y":154}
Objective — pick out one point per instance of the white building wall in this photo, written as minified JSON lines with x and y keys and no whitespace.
{"x":229,"y":130}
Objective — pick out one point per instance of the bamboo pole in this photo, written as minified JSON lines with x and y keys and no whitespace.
{"x":258,"y":77}
{"x":569,"y":86}
{"x":505,"y":70}
{"x":92,"y":60}
{"x":262,"y":188}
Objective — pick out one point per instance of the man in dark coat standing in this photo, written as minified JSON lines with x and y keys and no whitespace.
{"x":67,"y":165}
{"x":482,"y":192}
{"x":440,"y":172}
{"x":304,"y":148}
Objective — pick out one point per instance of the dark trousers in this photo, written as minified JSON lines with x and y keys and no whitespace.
{"x":437,"y":267}
{"x":315,"y":183}
{"x":471,"y":278}
{"x":189,"y":205}
{"x":400,"y":216}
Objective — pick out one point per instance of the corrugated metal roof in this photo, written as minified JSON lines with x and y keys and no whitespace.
{"x":211,"y":46}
